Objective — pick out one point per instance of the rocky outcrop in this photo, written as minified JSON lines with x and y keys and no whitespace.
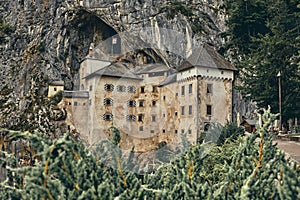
{"x":42,"y":41}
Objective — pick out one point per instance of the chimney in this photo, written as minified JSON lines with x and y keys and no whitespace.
{"x":91,"y":50}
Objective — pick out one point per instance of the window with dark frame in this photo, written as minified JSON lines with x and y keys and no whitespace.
{"x":182,"y":90}
{"x":208,"y":110}
{"x":182,"y":110}
{"x":141,"y":103}
{"x":131,"y":89}
{"x":130,"y":118}
{"x":141,"y":128}
{"x":176,"y":113}
{"x":143,"y":89}
{"x":153,"y":118}
{"x":190,"y":88}
{"x":121,"y":88}
{"x":190,"y":109}
{"x":209,"y":89}
{"x":131,"y":103}
{"x":153,"y":103}
{"x":109,"y":87}
{"x":164,"y":130}
{"x":108,"y":102}
{"x":75,"y":103}
{"x":154,"y":89}
{"x":107,"y":117}
{"x":140,"y":117}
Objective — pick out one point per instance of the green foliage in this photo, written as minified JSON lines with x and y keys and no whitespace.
{"x":238,"y":168}
{"x":264,"y":39}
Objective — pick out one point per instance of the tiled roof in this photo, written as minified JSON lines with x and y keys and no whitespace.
{"x":170,"y":79}
{"x":151,"y":68}
{"x":114,"y":70}
{"x":57,"y":83}
{"x":206,"y":56}
{"x":76,"y":94}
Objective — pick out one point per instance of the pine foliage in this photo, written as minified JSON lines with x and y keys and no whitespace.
{"x":244,"y":167}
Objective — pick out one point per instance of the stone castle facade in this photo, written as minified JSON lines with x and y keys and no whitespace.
{"x":151,"y":103}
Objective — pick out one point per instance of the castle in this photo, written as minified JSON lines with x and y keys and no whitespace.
{"x":150,"y":103}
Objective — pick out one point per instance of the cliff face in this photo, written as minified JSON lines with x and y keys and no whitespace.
{"x":42,"y":41}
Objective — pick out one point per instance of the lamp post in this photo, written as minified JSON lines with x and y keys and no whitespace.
{"x":279,"y":94}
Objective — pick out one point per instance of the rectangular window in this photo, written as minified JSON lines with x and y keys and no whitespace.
{"x":182,"y":131}
{"x":164,"y":130}
{"x":142,"y":89}
{"x":90,"y":101}
{"x":141,"y":128}
{"x":176,"y":131}
{"x":140,"y":118}
{"x":208,"y":110}
{"x":55,"y":89}
{"x":75,"y":103}
{"x":154,"y":89}
{"x":141,"y":103}
{"x":153,"y":103}
{"x":108,"y":102}
{"x":190,"y":131}
{"x":190,"y":109}
{"x":182,"y":90}
{"x":209,"y":89}
{"x":176,"y":113}
{"x":91,"y":87}
{"x":182,"y":110}
{"x":190,"y":88}
{"x":176,"y":94}
{"x":153,"y":118}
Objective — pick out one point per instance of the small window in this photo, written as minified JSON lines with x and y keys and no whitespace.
{"x":55,"y":89}
{"x":208,"y":110}
{"x":131,"y":89}
{"x":109,"y":87}
{"x":206,"y":126}
{"x":182,"y":110}
{"x":164,"y":115}
{"x":190,"y":109}
{"x":190,"y":131}
{"x":182,"y":131}
{"x":152,"y":131}
{"x":176,"y":113}
{"x":90,"y":101}
{"x":121,"y":88}
{"x":190,"y":88}
{"x":131,"y":103}
{"x":222,"y":72}
{"x":153,"y":103}
{"x":142,"y":89}
{"x":209,"y":89}
{"x":141,"y":128}
{"x":182,"y":90}
{"x":154,"y":89}
{"x":164,"y":130}
{"x":108,"y":102}
{"x":176,"y":94}
{"x":130,"y":118}
{"x":164,"y":98}
{"x":75,"y":103}
{"x":153,"y":118}
{"x":91,"y":87}
{"x":176,"y":131}
{"x":141,"y":103}
{"x":70,"y":103}
{"x":107,"y":117}
{"x":140,"y":118}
